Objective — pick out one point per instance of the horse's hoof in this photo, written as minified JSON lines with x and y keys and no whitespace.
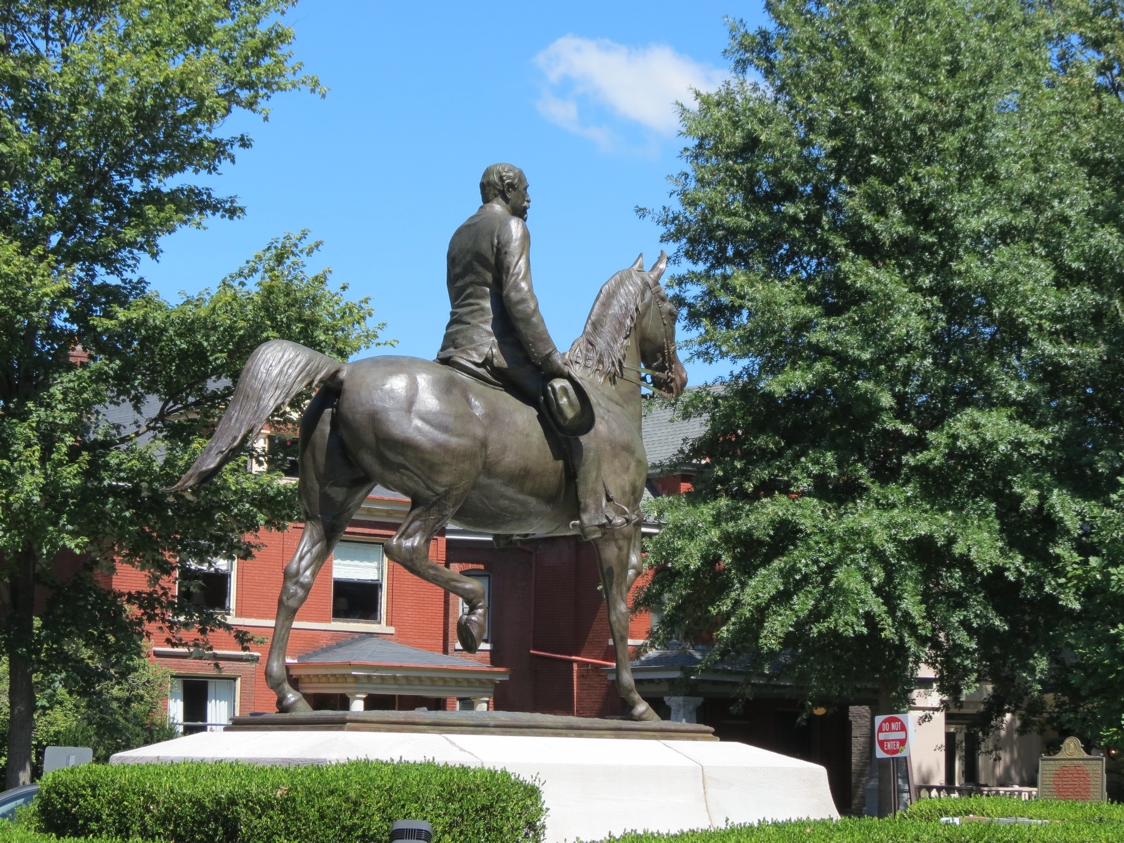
{"x":471,"y":629}
{"x":643,"y":711}
{"x":293,"y":703}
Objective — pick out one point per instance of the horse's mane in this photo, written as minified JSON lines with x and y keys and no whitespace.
{"x":602,"y":345}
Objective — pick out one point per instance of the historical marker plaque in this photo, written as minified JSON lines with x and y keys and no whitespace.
{"x":1071,"y":774}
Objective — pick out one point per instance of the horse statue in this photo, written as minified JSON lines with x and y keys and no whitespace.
{"x":463,"y":452}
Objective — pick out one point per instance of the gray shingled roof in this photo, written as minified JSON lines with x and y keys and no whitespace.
{"x":127,"y":420}
{"x":664,"y":433}
{"x":686,"y":657}
{"x":372,"y":649}
{"x":679,"y":658}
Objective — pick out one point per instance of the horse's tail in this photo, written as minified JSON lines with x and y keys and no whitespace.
{"x":274,"y":374}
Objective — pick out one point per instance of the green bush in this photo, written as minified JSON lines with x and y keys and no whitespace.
{"x":197,"y":802}
{"x":17,"y":833}
{"x":889,"y":831}
{"x":1005,"y":806}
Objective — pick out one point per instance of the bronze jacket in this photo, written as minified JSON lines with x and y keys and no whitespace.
{"x":493,"y":306}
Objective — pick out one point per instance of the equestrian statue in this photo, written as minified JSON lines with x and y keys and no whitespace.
{"x":501,"y":434}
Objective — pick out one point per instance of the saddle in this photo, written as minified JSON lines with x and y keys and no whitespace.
{"x":563,"y":402}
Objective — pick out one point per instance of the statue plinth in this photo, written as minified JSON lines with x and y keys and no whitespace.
{"x":473,"y":723}
{"x":674,"y":778}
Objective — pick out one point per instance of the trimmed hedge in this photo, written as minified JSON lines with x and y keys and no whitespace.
{"x":16,"y":833}
{"x":1005,"y":806}
{"x":849,"y":830}
{"x":356,"y":802}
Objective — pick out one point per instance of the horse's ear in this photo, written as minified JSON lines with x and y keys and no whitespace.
{"x":656,"y":271}
{"x":638,"y":264}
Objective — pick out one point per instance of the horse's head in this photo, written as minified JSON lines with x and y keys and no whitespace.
{"x":632,"y":307}
{"x":655,"y":326}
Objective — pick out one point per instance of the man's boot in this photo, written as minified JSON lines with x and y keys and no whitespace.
{"x":596,"y":513}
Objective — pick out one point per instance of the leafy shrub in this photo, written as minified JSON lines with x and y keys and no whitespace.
{"x":199,"y":802}
{"x":888,"y":831}
{"x":16,"y":833}
{"x":1005,"y":806}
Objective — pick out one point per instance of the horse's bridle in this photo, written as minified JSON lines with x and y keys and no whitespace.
{"x":656,"y":379}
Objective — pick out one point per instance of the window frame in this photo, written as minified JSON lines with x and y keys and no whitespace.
{"x":207,"y":726}
{"x":209,"y":567}
{"x":382,"y":584}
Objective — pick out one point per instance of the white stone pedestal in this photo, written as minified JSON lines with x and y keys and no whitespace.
{"x":593,"y":787}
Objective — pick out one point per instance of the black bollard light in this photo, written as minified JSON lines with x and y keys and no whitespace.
{"x":411,"y":830}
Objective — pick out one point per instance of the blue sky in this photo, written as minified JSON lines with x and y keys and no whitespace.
{"x":422,"y":98}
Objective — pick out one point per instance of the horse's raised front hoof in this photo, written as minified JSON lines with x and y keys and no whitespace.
{"x":643,"y":711}
{"x":471,"y":629}
{"x":293,"y":703}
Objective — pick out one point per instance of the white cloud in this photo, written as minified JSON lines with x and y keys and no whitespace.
{"x":638,"y":85}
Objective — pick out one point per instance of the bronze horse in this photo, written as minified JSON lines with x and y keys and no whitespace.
{"x":463,"y":452}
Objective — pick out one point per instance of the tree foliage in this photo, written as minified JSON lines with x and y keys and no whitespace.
{"x":121,"y":712}
{"x":110,"y":111}
{"x":903,"y":222}
{"x":107,"y":102}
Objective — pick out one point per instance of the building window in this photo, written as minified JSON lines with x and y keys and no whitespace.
{"x":283,"y":454}
{"x":950,"y":745}
{"x":971,"y":758}
{"x":357,"y":582}
{"x":485,"y":580}
{"x":201,"y":705}
{"x":207,"y":584}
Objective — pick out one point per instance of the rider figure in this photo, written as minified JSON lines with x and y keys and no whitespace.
{"x":496,"y":333}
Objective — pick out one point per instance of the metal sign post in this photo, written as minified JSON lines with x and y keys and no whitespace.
{"x":894,"y":779}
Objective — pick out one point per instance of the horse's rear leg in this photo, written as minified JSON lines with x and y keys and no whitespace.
{"x":615,"y":552}
{"x":332,"y":488}
{"x":299,"y":575}
{"x":410,"y":549}
{"x":319,"y":538}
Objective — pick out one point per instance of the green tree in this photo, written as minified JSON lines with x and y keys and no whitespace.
{"x":108,"y":109}
{"x":127,"y":711}
{"x":902,"y":222}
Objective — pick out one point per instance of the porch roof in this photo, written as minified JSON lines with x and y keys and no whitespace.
{"x":369,"y":664}
{"x":375,"y":649}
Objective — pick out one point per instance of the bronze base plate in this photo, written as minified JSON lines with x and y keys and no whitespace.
{"x":473,"y":723}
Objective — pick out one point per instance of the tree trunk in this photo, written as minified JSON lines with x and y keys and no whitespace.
{"x":21,"y":692}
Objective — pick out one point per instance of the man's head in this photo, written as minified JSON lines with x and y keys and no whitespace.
{"x":505,"y":185}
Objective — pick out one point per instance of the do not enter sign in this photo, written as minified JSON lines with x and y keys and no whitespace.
{"x":891,"y":736}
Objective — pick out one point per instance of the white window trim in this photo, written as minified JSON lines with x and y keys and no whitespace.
{"x":232,"y":597}
{"x":331,"y":626}
{"x":485,"y":647}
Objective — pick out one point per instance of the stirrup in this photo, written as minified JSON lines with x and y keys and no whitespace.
{"x":609,"y":524}
{"x":628,"y":517}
